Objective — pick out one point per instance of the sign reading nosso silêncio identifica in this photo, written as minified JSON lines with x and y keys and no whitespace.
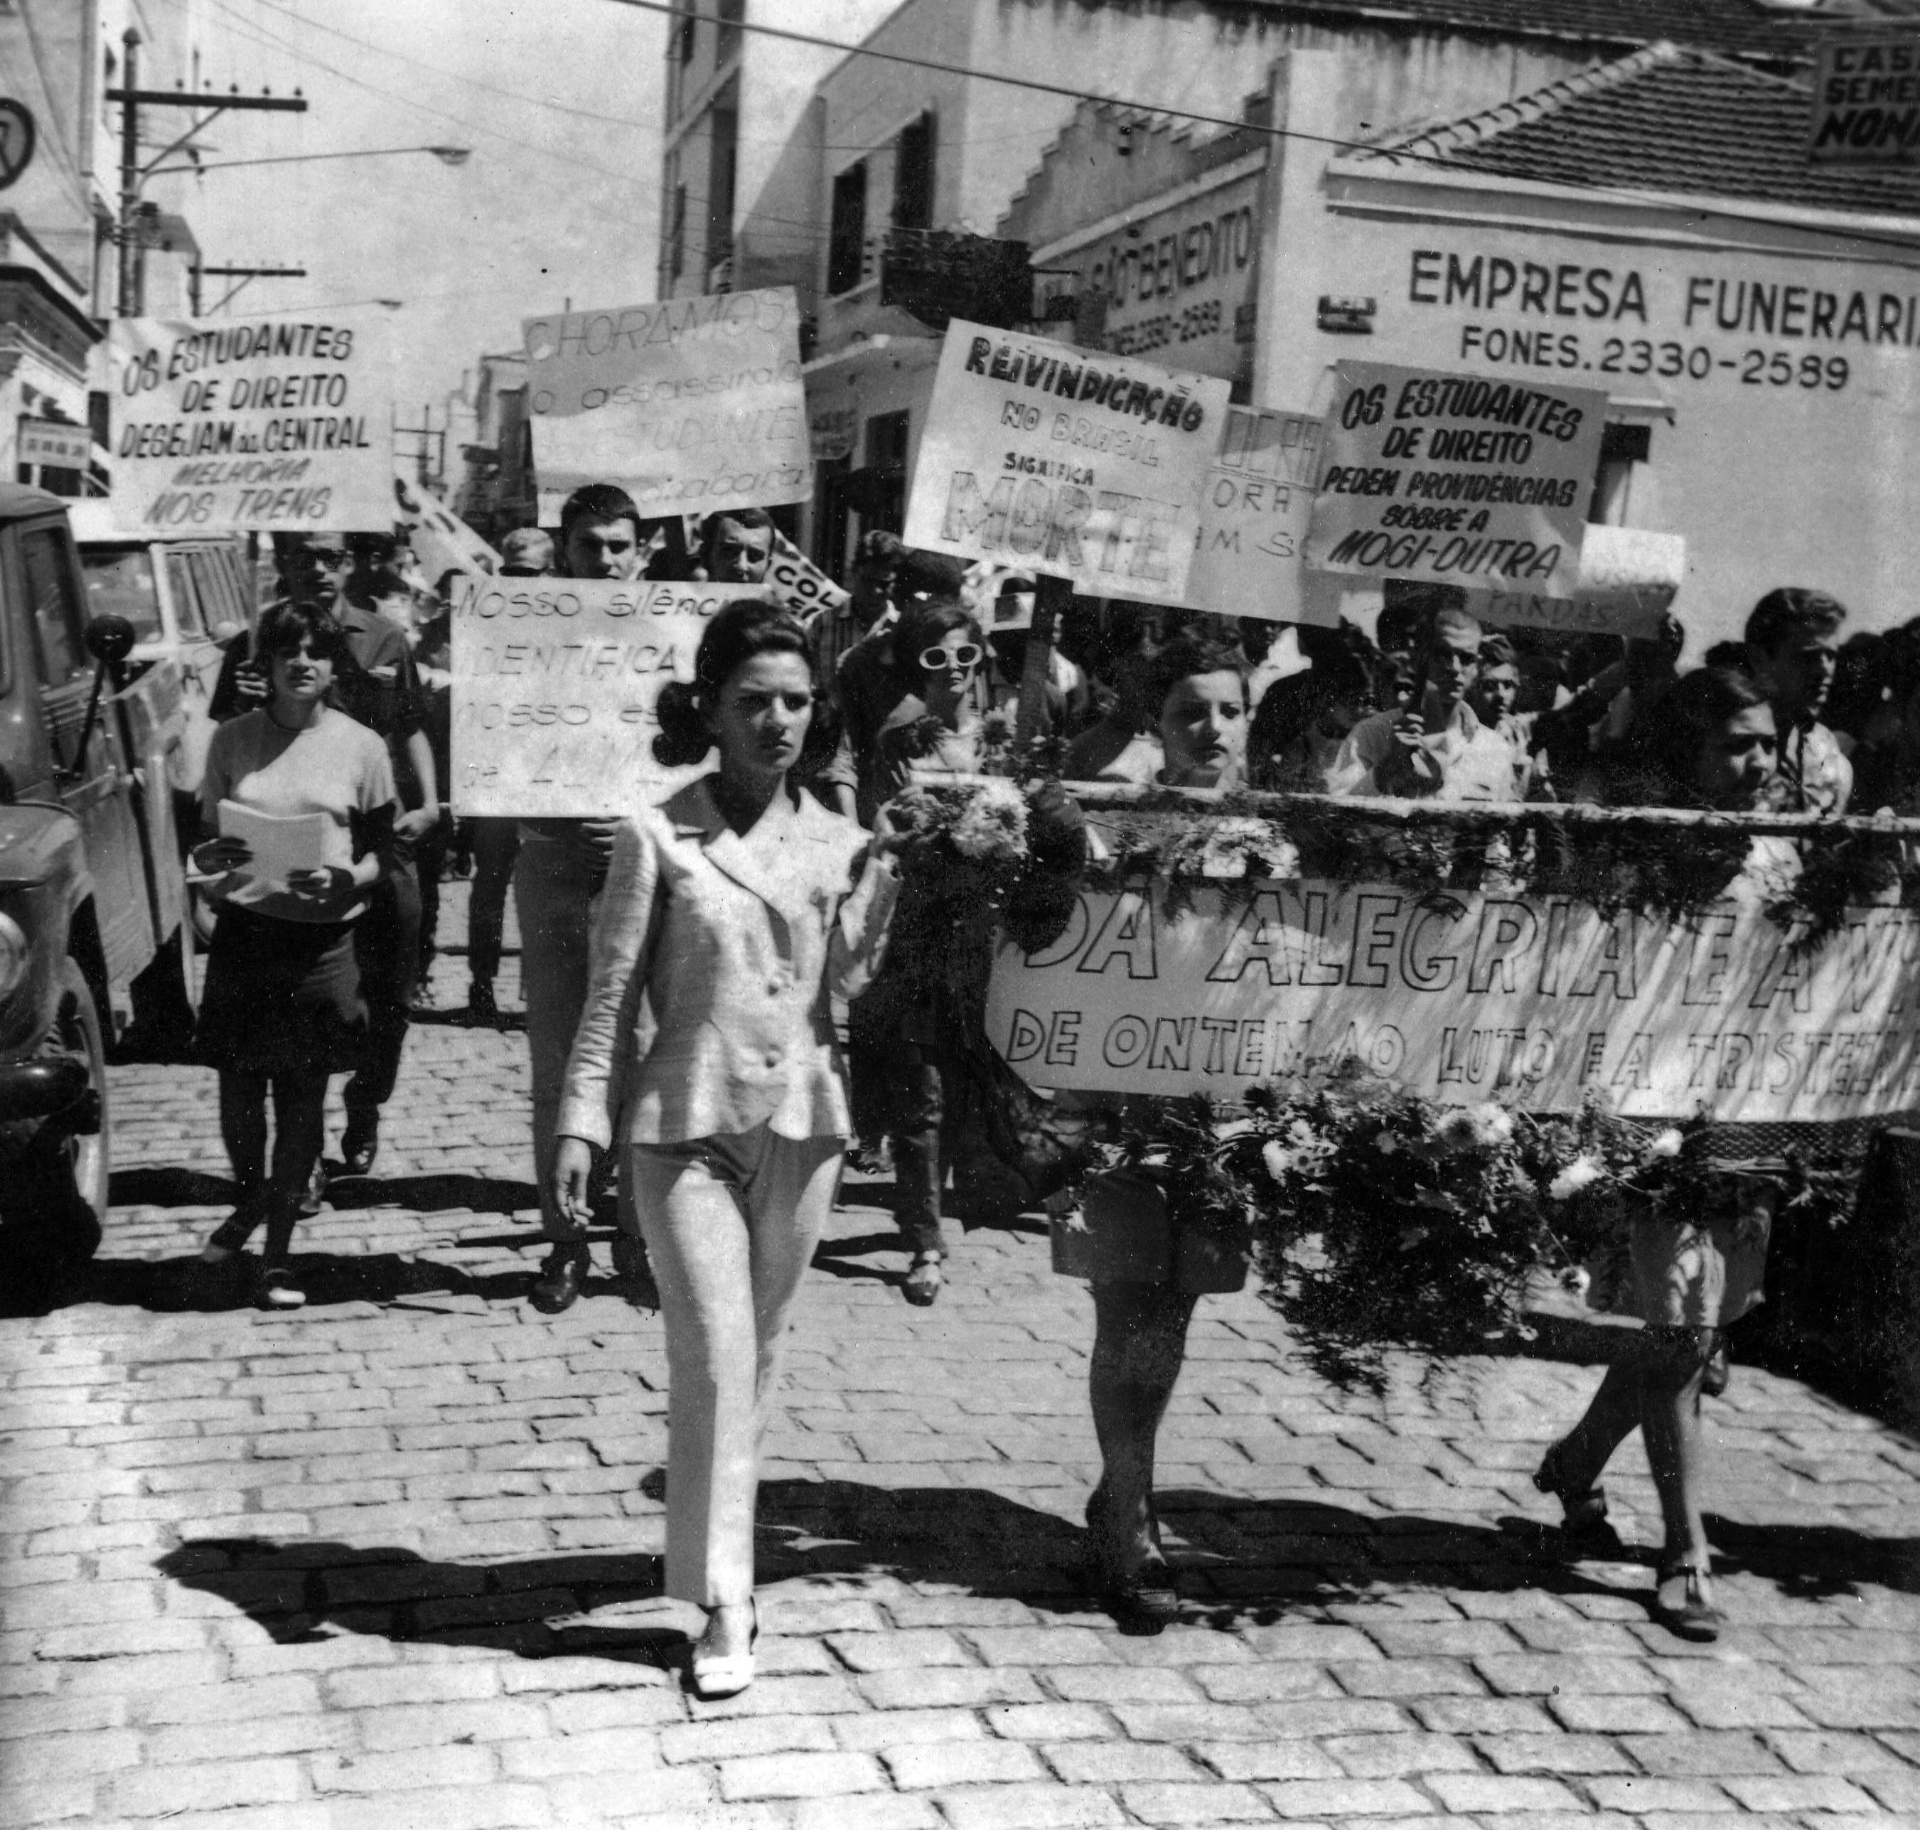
{"x":265,"y":425}
{"x":1464,"y":479}
{"x":1067,"y":462}
{"x":690,"y":405}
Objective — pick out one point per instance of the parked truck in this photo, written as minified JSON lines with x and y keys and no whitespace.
{"x":92,"y":884}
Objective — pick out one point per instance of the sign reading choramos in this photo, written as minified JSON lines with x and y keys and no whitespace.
{"x":1082,"y":466}
{"x":1253,"y":518}
{"x":1467,"y":479}
{"x":690,"y":405}
{"x":555,"y":681}
{"x":1462,"y":999}
{"x":1866,"y":101}
{"x":264,"y":425}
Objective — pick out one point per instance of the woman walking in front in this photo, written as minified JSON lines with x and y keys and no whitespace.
{"x":735,"y":910}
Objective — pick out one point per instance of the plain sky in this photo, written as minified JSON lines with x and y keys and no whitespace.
{"x":560,"y":102}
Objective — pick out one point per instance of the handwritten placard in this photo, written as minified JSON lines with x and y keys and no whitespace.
{"x":1249,"y":554}
{"x":1461,"y":999}
{"x":264,"y":425}
{"x":690,"y":405}
{"x":555,"y":681}
{"x":1464,"y":479}
{"x":1052,"y":459}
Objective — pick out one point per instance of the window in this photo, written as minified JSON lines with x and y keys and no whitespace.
{"x":721,"y":169}
{"x":687,"y":35}
{"x":847,"y":231}
{"x":913,"y":176}
{"x":55,"y":607}
{"x":1623,"y":449}
{"x":732,"y":13}
{"x":120,"y":583}
{"x":677,"y":233}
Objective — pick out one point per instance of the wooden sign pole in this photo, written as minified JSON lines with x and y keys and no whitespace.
{"x":1051,"y":596}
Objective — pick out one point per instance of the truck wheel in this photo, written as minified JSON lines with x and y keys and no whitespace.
{"x":56,"y":1203}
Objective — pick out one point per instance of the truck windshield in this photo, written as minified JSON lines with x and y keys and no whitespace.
{"x":120,"y":580}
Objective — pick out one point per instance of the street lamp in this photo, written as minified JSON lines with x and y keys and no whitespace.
{"x":447,"y":155}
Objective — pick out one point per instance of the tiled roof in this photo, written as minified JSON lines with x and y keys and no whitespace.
{"x":1666,"y":120}
{"x":1736,"y":27}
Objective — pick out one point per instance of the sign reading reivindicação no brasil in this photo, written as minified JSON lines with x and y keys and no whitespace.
{"x":266,"y":425}
{"x":1064,"y":461}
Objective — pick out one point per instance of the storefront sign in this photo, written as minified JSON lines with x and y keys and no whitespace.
{"x":1253,"y":518}
{"x":1175,"y":279}
{"x":690,"y":406}
{"x":1045,"y":457}
{"x":54,"y":443}
{"x":554,"y":686}
{"x":1866,"y":100}
{"x":1465,"y":479}
{"x":264,"y":425}
{"x":1468,"y":998}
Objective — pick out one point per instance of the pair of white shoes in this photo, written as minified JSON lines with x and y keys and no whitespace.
{"x":717,"y":1675}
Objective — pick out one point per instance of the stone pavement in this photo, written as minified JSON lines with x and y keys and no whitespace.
{"x":390,"y":1561}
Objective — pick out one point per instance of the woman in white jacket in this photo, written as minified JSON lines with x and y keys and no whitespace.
{"x":735,"y":910}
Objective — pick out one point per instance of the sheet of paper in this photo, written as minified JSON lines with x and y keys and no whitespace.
{"x":280,"y":843}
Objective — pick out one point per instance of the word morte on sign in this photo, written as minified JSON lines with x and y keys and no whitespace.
{"x":1064,"y":462}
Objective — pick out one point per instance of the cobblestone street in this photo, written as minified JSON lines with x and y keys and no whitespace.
{"x":390,"y":1562}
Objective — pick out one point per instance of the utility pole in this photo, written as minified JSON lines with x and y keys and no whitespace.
{"x":131,"y":294}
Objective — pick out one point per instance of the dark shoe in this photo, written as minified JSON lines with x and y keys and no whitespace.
{"x":313,"y":1196}
{"x":1718,"y":1372}
{"x":1683,"y":1603}
{"x":1584,"y":1529}
{"x":923,"y":1280}
{"x":1142,"y":1599}
{"x":482,"y":1011}
{"x":868,"y":1159}
{"x":558,"y":1286}
{"x":361,"y":1143}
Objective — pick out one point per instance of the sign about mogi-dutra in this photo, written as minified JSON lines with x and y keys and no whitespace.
{"x":1466,"y":479}
{"x":1254,"y":508}
{"x":555,"y":682}
{"x":690,"y":405}
{"x":1532,"y":1001}
{"x":266,"y":425}
{"x":1058,"y":460}
{"x":1866,"y":100}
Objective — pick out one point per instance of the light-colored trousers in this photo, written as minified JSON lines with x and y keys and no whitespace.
{"x":730,"y":1223}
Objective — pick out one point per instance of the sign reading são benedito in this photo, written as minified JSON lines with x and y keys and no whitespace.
{"x":691,"y":405}
{"x":268,"y":425}
{"x":1458,"y":478}
{"x":1062,"y":461}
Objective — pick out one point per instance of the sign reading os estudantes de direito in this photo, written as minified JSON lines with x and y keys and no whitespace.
{"x":268,"y":424}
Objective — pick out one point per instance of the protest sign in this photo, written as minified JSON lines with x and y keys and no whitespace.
{"x":690,"y":406}
{"x":441,"y":541}
{"x":1534,"y":1002}
{"x":1253,"y":518}
{"x":1457,"y":478}
{"x":555,"y":681}
{"x":1866,"y":100}
{"x":1629,"y":577}
{"x":266,"y":425}
{"x":1041,"y":456}
{"x":799,"y":583}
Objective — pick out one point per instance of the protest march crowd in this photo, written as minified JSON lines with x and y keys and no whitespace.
{"x":730,"y":993}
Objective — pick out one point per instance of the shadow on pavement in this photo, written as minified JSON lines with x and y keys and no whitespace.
{"x":167,"y":1188}
{"x":432,"y":1194}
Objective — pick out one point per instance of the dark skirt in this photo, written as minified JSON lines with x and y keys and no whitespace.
{"x":281,"y":997}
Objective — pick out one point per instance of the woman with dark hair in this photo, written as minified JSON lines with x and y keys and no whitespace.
{"x":939,"y":651}
{"x":736,"y":910}
{"x":282,"y":1007}
{"x":1304,"y":719}
{"x":1194,"y":696}
{"x":1696,"y":1257}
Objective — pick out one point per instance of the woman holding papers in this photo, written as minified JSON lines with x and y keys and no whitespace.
{"x":302,"y":798}
{"x":736,"y":909}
